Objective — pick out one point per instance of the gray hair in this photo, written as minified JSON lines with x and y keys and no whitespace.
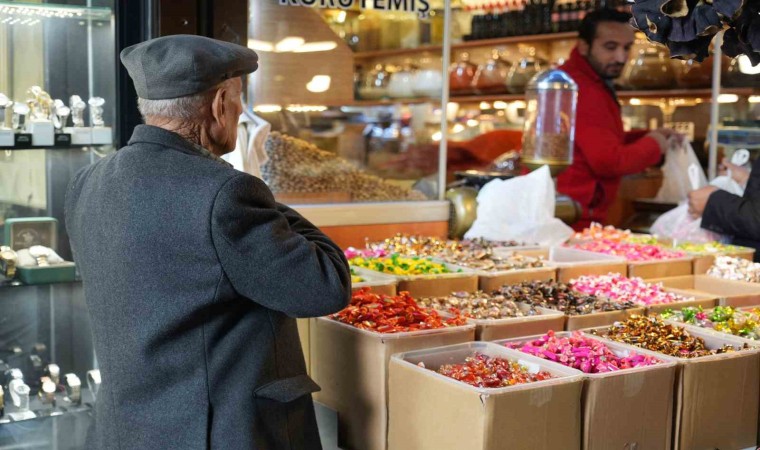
{"x":189,"y":107}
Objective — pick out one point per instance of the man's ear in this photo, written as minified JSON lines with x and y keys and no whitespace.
{"x":583,"y":48}
{"x":217,"y":106}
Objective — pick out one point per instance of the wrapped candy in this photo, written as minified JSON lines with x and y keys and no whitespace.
{"x":354,"y":277}
{"x":560,"y":296}
{"x":391,"y":314}
{"x":598,"y":231}
{"x":653,"y":334}
{"x":726,"y":319}
{"x":485,"y":260}
{"x":488,"y":372}
{"x":739,"y":269}
{"x":630,"y":251}
{"x":582,"y":353}
{"x":478,"y":305}
{"x":618,"y":287}
{"x":401,"y":265}
{"x":710,"y":248}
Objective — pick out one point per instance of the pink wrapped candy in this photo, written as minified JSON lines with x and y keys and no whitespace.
{"x":352,"y":253}
{"x":617,"y":287}
{"x":629,"y":251}
{"x":582,"y":353}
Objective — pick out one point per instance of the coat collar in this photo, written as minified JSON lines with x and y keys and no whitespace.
{"x":578,"y":63}
{"x":150,"y":134}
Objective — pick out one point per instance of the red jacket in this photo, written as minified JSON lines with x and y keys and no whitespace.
{"x":603,"y":153}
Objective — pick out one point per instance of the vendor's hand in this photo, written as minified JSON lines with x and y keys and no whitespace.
{"x":698,"y":200}
{"x":738,"y":173}
{"x":662,"y":141}
{"x":671,"y":133}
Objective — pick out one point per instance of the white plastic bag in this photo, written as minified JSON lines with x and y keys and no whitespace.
{"x":519,"y":209}
{"x":675,"y":183}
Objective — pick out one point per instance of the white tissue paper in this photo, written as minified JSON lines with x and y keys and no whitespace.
{"x":520,"y":209}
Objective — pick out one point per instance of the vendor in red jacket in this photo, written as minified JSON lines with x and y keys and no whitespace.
{"x":604,"y":153}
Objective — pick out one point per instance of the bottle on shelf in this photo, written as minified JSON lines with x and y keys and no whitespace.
{"x":555,"y":18}
{"x":564,"y":17}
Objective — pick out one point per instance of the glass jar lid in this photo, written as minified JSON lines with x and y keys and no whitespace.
{"x":552,"y":80}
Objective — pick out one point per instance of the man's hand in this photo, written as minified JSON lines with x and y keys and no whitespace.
{"x":664,"y":136}
{"x":698,"y":200}
{"x":671,"y":133}
{"x":738,"y":173}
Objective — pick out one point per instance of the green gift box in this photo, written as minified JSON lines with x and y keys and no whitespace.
{"x":21,"y":233}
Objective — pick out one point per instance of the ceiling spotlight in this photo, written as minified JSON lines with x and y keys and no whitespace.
{"x":321,"y":46}
{"x":288,"y":44}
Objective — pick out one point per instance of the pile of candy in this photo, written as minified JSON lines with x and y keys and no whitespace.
{"x":617,"y":287}
{"x":479,"y":305}
{"x":735,"y":269}
{"x":487,"y":372}
{"x":392,"y":314}
{"x":582,"y":353}
{"x":711,"y":248}
{"x":352,"y":253}
{"x":562,"y":297}
{"x":484,"y":244}
{"x":653,"y":334}
{"x":485,"y":260}
{"x":355,"y":278}
{"x":410,"y":245}
{"x":629,"y":251}
{"x":598,"y":231}
{"x":725,"y":319}
{"x":401,"y":265}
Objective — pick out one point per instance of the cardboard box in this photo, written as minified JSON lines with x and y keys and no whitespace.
{"x":492,"y":281}
{"x":702,"y":262}
{"x":572,"y":263}
{"x":351,"y":366}
{"x":429,"y":411}
{"x":629,"y":408}
{"x":492,"y":329}
{"x":600,"y":319}
{"x":377,"y":282}
{"x":702,"y":299}
{"x":717,"y":396}
{"x":661,"y":268}
{"x":728,"y":292}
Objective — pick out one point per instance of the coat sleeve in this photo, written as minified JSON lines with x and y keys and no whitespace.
{"x":634,"y":135}
{"x":274,"y":256}
{"x":605,"y":153}
{"x":726,"y":213}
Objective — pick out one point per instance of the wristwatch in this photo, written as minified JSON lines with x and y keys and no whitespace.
{"x":41,"y":254}
{"x":8,"y":262}
{"x":54,"y":372}
{"x":73,"y":388}
{"x":46,"y":393}
{"x":93,"y":382}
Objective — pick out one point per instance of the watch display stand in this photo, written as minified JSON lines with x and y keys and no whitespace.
{"x":42,"y":132}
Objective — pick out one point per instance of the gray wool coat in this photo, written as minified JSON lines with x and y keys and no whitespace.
{"x":193,"y":275}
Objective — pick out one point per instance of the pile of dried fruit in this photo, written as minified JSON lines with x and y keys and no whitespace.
{"x":582,"y":353}
{"x":294,"y":165}
{"x":488,"y":372}
{"x":392,"y":314}
{"x":653,"y":334}
{"x":479,"y":305}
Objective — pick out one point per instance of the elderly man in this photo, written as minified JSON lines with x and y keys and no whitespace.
{"x":192,"y":273}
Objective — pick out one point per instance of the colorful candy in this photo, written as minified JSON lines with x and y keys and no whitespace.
{"x":488,"y":372}
{"x":711,"y":248}
{"x":725,"y":319}
{"x":354,"y":277}
{"x":402,"y":265}
{"x":392,"y":314}
{"x":582,"y":353}
{"x":653,"y":334}
{"x":479,"y":305}
{"x":599,"y":231}
{"x":739,"y":269}
{"x":560,"y":296}
{"x":630,"y":251}
{"x":487,"y":261}
{"x":617,"y":287}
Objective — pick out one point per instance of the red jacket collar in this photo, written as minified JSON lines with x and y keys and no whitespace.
{"x":579,"y":63}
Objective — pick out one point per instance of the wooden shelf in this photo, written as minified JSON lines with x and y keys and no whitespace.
{"x":665,"y":93}
{"x":467,"y":44}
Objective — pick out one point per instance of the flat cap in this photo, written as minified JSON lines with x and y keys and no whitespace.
{"x":180,"y":65}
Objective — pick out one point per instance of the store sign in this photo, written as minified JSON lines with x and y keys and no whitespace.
{"x":421,"y":7}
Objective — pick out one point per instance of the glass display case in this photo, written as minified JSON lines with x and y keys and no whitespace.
{"x":58,"y":90}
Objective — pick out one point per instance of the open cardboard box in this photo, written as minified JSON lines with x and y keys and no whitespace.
{"x":437,"y":285}
{"x":600,"y":319}
{"x":717,"y":396}
{"x":429,"y":411}
{"x":628,"y":408}
{"x":377,"y":282}
{"x":728,"y":292}
{"x":695,"y":299}
{"x":492,"y":281}
{"x":492,"y":329}
{"x":675,"y":267}
{"x":703,"y":261}
{"x":572,"y":263}
{"x":351,"y":366}
{"x":23,"y":233}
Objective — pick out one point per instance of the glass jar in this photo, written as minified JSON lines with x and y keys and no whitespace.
{"x":461,"y":75}
{"x":374,"y":85}
{"x":549,"y":129}
{"x":650,"y":69}
{"x":522,"y":72}
{"x":491,"y":76}
{"x":402,"y":83}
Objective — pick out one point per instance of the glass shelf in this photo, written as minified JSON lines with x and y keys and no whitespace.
{"x":18,"y":284}
{"x":16,"y":13}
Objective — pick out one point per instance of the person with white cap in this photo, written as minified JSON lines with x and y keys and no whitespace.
{"x":193,"y":274}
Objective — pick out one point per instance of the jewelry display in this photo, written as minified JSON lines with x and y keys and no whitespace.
{"x":46,"y":394}
{"x":8,"y":262}
{"x":96,"y":111}
{"x":54,"y":372}
{"x":6,"y":106}
{"x":77,"y":107}
{"x":40,"y":254}
{"x":60,"y":115}
{"x":20,"y":111}
{"x":39,"y":124}
{"x":19,"y":393}
{"x":73,"y":388}
{"x":93,"y":382}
